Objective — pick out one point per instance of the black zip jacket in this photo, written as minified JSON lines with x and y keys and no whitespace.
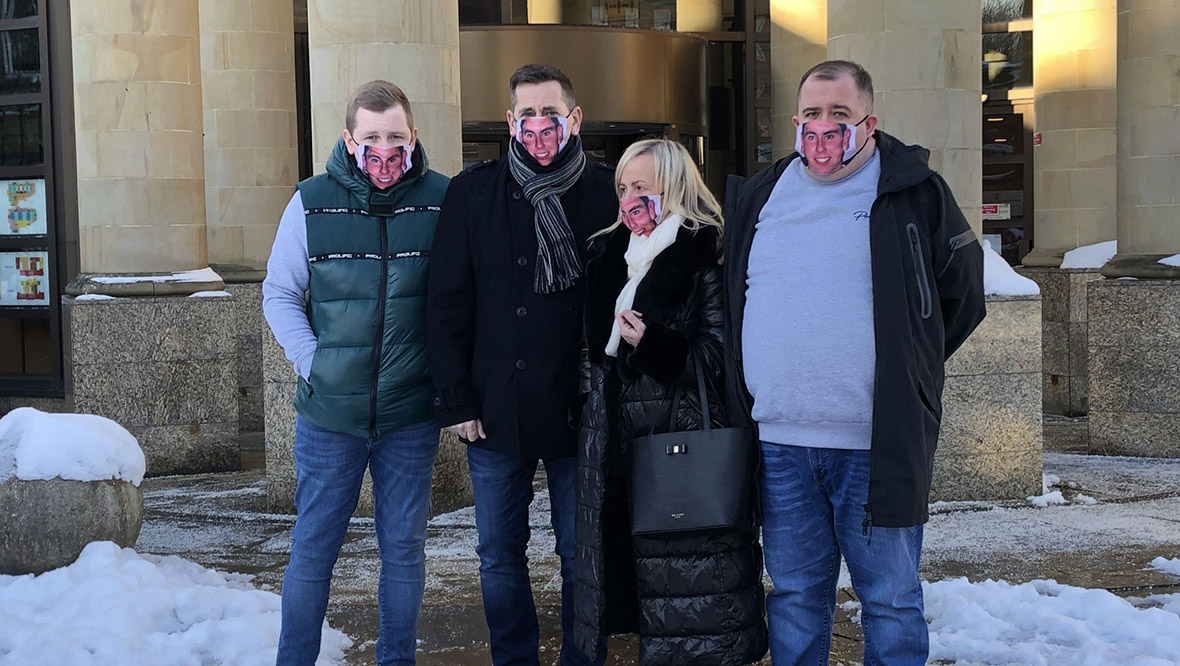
{"x":927,"y":268}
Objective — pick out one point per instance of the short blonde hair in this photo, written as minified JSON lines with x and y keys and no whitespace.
{"x":377,"y":96}
{"x":683,"y":191}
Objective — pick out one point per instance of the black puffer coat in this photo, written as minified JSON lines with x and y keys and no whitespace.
{"x":694,"y":600}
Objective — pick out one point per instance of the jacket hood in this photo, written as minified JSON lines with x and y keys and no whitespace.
{"x":343,"y":169}
{"x":902,"y":165}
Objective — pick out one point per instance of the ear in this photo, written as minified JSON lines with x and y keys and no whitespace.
{"x":576,"y":121}
{"x":413,"y":139}
{"x":871,"y":124}
{"x":511,"y":123}
{"x":795,"y":120}
{"x":349,"y":143}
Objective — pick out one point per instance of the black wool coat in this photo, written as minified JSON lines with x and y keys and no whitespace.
{"x":498,"y":351}
{"x":927,"y":272}
{"x":694,"y":600}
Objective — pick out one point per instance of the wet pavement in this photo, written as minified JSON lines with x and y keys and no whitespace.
{"x":220,"y":521}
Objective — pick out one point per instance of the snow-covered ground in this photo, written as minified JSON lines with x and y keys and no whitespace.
{"x":991,"y":568}
{"x":113,"y":607}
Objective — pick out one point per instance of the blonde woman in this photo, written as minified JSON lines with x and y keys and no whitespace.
{"x":653,"y":308}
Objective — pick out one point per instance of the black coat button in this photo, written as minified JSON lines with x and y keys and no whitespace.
{"x":521,"y":365}
{"x":517,"y":195}
{"x":521,"y":311}
{"x":522,"y":261}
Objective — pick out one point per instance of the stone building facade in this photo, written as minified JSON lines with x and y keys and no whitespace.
{"x":165,"y":139}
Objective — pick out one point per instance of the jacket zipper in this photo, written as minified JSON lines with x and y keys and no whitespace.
{"x":378,"y":341}
{"x":920,"y":269}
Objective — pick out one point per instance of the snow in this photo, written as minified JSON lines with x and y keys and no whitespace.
{"x":1041,"y":622}
{"x":209,"y":294}
{"x":35,"y":445}
{"x":999,"y":279}
{"x":1168,"y":566}
{"x":1090,"y":256}
{"x":200,"y":275}
{"x":115,"y":607}
{"x":94,"y":297}
{"x":1173,"y":260}
{"x":1052,"y":498}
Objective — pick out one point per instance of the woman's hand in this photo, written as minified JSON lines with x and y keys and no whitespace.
{"x":631,"y":326}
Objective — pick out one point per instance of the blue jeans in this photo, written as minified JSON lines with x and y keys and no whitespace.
{"x":813,"y":505}
{"x":503,"y":487}
{"x":329,"y":467}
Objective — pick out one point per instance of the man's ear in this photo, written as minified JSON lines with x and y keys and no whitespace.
{"x":871,"y":123}
{"x":576,"y":121}
{"x":413,"y":139}
{"x":349,"y":143}
{"x":795,"y":120}
{"x":511,"y":123}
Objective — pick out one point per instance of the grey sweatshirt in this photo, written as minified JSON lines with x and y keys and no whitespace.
{"x":808,"y":341}
{"x":284,"y":291}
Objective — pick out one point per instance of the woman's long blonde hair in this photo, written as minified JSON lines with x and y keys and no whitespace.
{"x":683,"y":191}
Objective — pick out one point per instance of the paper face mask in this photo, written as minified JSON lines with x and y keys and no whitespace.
{"x":640,"y":214}
{"x":825,"y":146}
{"x":543,"y":136}
{"x":384,"y":166}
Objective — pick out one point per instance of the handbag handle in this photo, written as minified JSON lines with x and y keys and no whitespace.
{"x":706,"y":417}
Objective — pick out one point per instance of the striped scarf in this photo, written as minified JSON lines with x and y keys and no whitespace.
{"x":558,"y":263}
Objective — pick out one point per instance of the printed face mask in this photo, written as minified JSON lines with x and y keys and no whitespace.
{"x":640,"y":214}
{"x":826,"y":147}
{"x":384,"y":166}
{"x":543,"y":136}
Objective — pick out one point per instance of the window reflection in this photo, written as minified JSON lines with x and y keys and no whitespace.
{"x":20,"y":61}
{"x":1007,"y":61}
{"x":20,"y":135}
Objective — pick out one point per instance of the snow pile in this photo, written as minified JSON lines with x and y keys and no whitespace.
{"x":1090,"y":256}
{"x":1042,"y":623}
{"x":113,"y":606}
{"x":1173,"y":260}
{"x":200,"y":275}
{"x":79,"y":447}
{"x":1168,"y":566}
{"x":209,"y":294}
{"x":94,"y":297}
{"x":999,"y":279}
{"x":1053,"y":498}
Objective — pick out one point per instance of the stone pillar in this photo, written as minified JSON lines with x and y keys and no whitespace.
{"x":545,"y":12}
{"x":413,"y":44}
{"x":798,"y":40}
{"x":251,"y":155}
{"x":137,"y":101}
{"x":1134,"y":325}
{"x":698,"y":15}
{"x":924,"y":58}
{"x":1074,"y":65}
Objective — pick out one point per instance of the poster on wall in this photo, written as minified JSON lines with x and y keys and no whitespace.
{"x":24,"y":207}
{"x":24,"y":279}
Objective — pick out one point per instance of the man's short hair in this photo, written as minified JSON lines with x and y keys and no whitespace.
{"x":832,"y":70}
{"x":541,"y":73}
{"x":377,"y":96}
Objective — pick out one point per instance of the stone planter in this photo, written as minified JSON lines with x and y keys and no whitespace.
{"x":990,"y":444}
{"x":45,"y":524}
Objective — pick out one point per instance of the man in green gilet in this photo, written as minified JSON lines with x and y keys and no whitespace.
{"x":345,"y":295}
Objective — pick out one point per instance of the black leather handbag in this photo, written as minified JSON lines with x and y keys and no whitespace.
{"x":692,"y":481}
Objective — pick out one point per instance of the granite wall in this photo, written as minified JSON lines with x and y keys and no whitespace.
{"x":1065,"y":346}
{"x":165,"y":368}
{"x":451,"y":484}
{"x":248,"y":328}
{"x":990,"y":443}
{"x":1134,"y":338}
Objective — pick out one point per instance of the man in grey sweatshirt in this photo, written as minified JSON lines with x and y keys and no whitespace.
{"x":851,"y":276}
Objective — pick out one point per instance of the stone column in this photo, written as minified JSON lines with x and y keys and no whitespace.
{"x":545,"y":12}
{"x":413,"y":44}
{"x":924,"y":57}
{"x":137,"y":101}
{"x":698,"y":15}
{"x":1074,"y":66}
{"x":1134,"y":325}
{"x":798,"y":40}
{"x":1148,"y":141}
{"x":251,"y":155}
